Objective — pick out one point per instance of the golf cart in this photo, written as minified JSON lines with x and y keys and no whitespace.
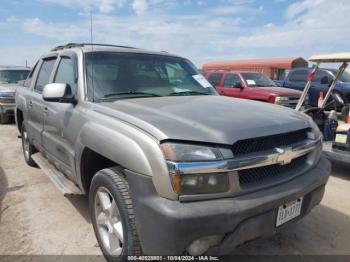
{"x":336,"y":144}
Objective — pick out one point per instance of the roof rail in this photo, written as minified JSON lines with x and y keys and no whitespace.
{"x":13,"y":66}
{"x":71,"y":45}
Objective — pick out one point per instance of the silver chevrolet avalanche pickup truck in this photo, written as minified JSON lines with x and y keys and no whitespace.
{"x":170,"y":166}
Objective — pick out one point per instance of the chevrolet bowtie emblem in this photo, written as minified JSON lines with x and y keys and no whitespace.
{"x":285,"y":156}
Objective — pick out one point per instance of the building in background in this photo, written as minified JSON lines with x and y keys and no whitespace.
{"x":275,"y":68}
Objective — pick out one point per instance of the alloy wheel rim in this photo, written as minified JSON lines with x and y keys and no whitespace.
{"x":108,"y":221}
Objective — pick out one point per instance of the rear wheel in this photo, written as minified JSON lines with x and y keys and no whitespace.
{"x":113,"y":216}
{"x":28,"y":148}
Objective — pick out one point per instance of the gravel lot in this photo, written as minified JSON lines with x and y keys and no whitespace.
{"x":36,"y":219}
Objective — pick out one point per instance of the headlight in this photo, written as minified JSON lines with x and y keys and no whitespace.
{"x":194,"y":153}
{"x":203,"y":183}
{"x":316,"y":133}
{"x":281,"y":100}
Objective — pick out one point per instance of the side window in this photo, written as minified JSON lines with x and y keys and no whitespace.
{"x":44,"y":74}
{"x":299,"y":76}
{"x":215,"y":79}
{"x":321,"y":74}
{"x":29,"y":79}
{"x":66,"y":73}
{"x":233,"y":80}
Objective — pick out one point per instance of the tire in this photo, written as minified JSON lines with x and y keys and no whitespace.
{"x":117,"y":222}
{"x":27,"y":147}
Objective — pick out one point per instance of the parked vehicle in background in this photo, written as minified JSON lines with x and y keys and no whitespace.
{"x":336,"y":135}
{"x":170,"y":166}
{"x":297,"y":78}
{"x":275,"y":68}
{"x":9,"y":78}
{"x":252,"y":86}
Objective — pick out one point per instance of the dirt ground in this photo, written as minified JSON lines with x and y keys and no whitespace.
{"x":36,"y":219}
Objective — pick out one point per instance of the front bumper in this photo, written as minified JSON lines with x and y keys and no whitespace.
{"x":7,"y":109}
{"x":336,"y":154}
{"x":167,"y":227}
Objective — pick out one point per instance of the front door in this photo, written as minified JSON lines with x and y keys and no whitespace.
{"x":232,"y":86}
{"x":58,"y":125}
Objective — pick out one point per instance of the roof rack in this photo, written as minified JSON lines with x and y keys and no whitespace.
{"x":71,"y":45}
{"x":13,"y":66}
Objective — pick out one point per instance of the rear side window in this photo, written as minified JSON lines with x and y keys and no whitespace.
{"x":298,"y":76}
{"x":215,"y":79}
{"x":44,"y":74}
{"x":232,"y":80}
{"x":29,"y":79}
{"x":66,"y":73}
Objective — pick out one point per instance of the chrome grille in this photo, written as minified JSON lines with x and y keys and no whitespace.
{"x":264,"y":143}
{"x":262,"y":176}
{"x":292,"y":102}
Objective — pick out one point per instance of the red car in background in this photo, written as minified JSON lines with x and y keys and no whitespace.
{"x":253,"y":86}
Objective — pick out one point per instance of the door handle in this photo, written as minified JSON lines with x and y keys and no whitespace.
{"x":30,"y":104}
{"x":46,"y":110}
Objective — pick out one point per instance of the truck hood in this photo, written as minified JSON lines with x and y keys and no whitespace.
{"x":211,"y":119}
{"x":8,"y":87}
{"x":344,"y":85}
{"x":279,"y":91}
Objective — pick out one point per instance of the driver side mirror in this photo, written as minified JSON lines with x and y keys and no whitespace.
{"x":58,"y":92}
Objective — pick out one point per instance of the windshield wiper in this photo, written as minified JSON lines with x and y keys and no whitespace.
{"x":131,"y":94}
{"x":188,"y":93}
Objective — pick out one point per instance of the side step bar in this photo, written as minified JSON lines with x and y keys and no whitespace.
{"x":66,"y":186}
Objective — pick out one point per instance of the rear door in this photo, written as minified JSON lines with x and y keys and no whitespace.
{"x":232,"y":86}
{"x":35,"y":102}
{"x":58,"y":133}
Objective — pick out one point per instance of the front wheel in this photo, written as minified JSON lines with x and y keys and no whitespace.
{"x":112,"y":215}
{"x":28,"y":148}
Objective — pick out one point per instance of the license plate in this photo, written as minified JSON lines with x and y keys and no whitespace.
{"x":289,"y":211}
{"x":340,"y":138}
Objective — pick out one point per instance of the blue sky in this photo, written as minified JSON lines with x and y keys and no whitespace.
{"x":202,"y":30}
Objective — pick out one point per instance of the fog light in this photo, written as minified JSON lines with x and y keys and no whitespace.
{"x":201,"y":245}
{"x":201,"y":183}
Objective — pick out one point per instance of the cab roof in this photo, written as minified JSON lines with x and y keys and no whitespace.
{"x":331,"y":58}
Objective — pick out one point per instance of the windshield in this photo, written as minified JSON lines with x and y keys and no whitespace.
{"x":13,"y":76}
{"x":344,"y":78}
{"x":112,"y":76}
{"x":257,"y":79}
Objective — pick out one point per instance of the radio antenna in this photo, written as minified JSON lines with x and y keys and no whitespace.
{"x":92,"y":60}
{"x":91,"y":40}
